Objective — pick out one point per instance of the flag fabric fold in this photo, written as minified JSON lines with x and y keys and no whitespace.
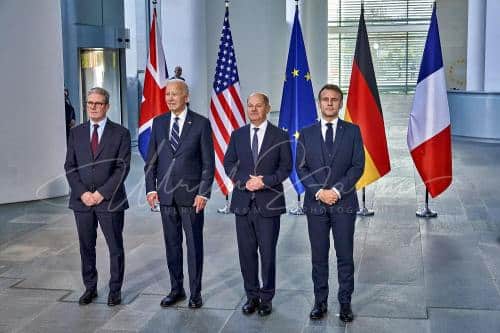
{"x":298,"y":108}
{"x":153,"y":101}
{"x":364,"y":109}
{"x":429,"y":129}
{"x":226,"y":106}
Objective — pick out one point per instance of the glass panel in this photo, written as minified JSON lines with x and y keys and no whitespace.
{"x":101,"y":68}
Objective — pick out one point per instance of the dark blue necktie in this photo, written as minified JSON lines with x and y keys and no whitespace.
{"x":329,"y":138}
{"x":255,"y":145}
{"x":174,"y":136}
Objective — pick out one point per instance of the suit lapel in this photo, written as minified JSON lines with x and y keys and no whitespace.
{"x":186,"y":128}
{"x":339,"y":132}
{"x":86,"y":145}
{"x":266,"y":141}
{"x":318,"y":138}
{"x":106,"y":137}
{"x":247,"y":145}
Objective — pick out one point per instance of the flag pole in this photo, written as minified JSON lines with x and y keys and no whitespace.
{"x":297,"y":210}
{"x":426,"y":212}
{"x":364,"y":211}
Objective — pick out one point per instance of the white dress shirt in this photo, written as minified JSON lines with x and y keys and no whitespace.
{"x":100,"y":129}
{"x":182,"y":119}
{"x":260,"y":134}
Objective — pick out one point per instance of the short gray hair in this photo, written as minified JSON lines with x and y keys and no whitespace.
{"x":184,"y":84}
{"x":261,"y":94}
{"x":99,"y":91}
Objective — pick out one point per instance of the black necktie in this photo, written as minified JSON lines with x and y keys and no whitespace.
{"x":255,"y":145}
{"x":174,"y":136}
{"x":329,"y":138}
{"x":94,"y":141}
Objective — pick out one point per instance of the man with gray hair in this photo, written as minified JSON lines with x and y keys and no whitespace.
{"x":97,"y":163}
{"x":179,"y":172}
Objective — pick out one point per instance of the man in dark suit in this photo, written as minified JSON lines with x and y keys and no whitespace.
{"x":97,"y":163}
{"x":330,"y":160}
{"x":179,"y":173}
{"x":258,"y":159}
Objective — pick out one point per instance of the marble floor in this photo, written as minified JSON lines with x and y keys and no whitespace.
{"x":412,"y":275}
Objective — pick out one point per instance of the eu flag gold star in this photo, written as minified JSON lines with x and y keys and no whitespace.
{"x":296,"y":135}
{"x":308,"y":76}
{"x":295,"y":72}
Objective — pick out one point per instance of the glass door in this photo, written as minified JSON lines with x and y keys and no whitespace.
{"x":101,"y":68}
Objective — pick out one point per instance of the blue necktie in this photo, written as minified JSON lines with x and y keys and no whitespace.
{"x":255,"y":146}
{"x":329,"y":138}
{"x":174,"y":136}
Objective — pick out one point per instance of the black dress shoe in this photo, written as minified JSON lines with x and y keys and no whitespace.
{"x":195,"y":302}
{"x":250,"y":306}
{"x":319,"y":310}
{"x":265,"y":309}
{"x":346,"y":312}
{"x":87,"y":297}
{"x":172,"y":298}
{"x":114,"y":298}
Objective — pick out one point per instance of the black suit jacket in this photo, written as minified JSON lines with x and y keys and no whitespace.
{"x":274,"y":163}
{"x":105,"y":173}
{"x":342,"y":170}
{"x":188,"y":172}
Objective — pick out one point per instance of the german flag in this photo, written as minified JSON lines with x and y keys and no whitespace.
{"x":364,"y":110}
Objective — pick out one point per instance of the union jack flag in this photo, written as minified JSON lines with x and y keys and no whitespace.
{"x":153,"y":96}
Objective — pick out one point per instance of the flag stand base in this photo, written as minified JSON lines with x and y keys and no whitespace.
{"x":297,"y":210}
{"x":365,"y":211}
{"x":426,"y":212}
{"x":225,"y":209}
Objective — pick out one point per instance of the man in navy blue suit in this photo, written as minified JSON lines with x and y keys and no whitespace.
{"x":179,"y":173}
{"x":330,"y":160}
{"x":97,"y":163}
{"x":258,"y":159}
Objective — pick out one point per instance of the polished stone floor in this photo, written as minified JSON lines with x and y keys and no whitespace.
{"x":412,"y":275}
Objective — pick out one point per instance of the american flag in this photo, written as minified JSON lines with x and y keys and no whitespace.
{"x":226,"y":107}
{"x":153,"y":96}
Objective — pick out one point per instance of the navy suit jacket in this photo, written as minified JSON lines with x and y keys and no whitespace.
{"x":105,"y":173}
{"x":274,"y":163}
{"x":341,"y":170}
{"x":188,"y":172}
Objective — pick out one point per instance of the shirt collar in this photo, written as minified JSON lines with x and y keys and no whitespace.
{"x":333,"y":122}
{"x":262,"y":127}
{"x":182,"y":116}
{"x":101,"y":123}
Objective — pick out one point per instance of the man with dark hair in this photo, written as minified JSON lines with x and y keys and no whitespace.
{"x":97,"y":163}
{"x":69,"y":113}
{"x":330,"y":160}
{"x":179,"y":171}
{"x":258,"y":159}
{"x":177,"y":74}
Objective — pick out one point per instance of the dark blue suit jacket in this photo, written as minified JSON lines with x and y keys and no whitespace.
{"x":342,"y":170}
{"x":274,"y":163}
{"x":188,"y":172}
{"x":105,"y":173}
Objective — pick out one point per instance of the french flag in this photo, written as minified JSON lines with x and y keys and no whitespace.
{"x":429,"y":131}
{"x":153,"y":96}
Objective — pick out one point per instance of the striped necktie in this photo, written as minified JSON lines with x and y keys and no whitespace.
{"x":174,"y":135}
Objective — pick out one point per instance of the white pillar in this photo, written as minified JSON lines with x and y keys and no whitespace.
{"x":476,"y":44}
{"x":492,"y":47}
{"x":32,"y":130}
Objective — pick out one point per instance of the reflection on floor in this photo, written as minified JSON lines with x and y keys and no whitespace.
{"x":412,"y":275}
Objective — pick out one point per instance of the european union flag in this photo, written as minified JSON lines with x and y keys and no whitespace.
{"x":298,"y":108}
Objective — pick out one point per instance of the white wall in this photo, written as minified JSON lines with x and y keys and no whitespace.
{"x":492,"y":47}
{"x":33,"y":138}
